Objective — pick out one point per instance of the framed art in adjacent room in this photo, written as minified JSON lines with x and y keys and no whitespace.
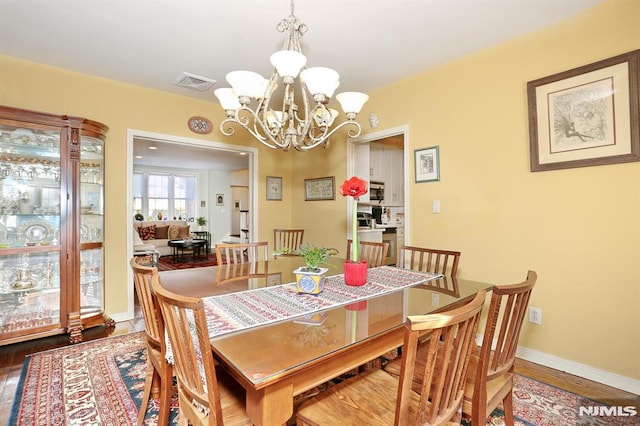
{"x":586,"y":116}
{"x":320,"y":189}
{"x":274,"y":188}
{"x":427,"y":164}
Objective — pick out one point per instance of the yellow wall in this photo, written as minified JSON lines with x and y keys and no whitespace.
{"x":575,"y":227}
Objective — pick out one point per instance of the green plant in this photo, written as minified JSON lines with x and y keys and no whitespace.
{"x":312,"y":256}
{"x":201,"y":221}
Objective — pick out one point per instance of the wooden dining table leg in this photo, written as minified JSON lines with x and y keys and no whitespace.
{"x":272,"y":405}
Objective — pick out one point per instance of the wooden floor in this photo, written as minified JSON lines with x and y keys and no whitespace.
{"x":12,"y":357}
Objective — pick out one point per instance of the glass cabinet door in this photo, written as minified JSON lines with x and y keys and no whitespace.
{"x":91,"y":225}
{"x":30,"y":199}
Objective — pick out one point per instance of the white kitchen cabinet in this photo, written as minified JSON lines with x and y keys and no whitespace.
{"x":362,"y":155}
{"x":394,"y":177}
{"x":377,"y":162}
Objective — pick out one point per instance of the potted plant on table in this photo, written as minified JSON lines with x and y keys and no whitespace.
{"x":201,"y":222}
{"x":310,"y":278}
{"x":355,"y":272}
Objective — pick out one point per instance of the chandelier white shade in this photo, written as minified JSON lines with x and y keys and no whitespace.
{"x":299,"y":123}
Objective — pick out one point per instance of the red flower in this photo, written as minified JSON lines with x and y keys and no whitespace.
{"x":354,"y":187}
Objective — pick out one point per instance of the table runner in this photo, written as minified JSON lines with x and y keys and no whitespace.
{"x":250,"y":308}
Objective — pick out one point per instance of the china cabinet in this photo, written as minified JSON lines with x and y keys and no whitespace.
{"x":51,"y":225}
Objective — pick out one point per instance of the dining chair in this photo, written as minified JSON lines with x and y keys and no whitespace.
{"x":378,"y":398}
{"x":206,"y":395}
{"x":490,"y":378}
{"x":242,"y":252}
{"x":423,"y":259}
{"x":159,"y":373}
{"x":374,"y":253}
{"x":287,"y":241}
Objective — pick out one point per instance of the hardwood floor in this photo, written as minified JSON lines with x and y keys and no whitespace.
{"x":12,"y":357}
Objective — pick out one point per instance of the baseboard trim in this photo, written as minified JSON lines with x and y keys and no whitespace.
{"x":121,"y":316}
{"x":581,"y":370}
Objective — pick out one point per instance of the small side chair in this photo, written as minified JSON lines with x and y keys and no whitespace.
{"x":424,"y":259}
{"x":374,"y":253}
{"x":287,"y":239}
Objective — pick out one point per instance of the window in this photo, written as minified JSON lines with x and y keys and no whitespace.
{"x":164,"y":195}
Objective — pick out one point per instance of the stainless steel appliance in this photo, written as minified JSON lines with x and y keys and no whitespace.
{"x":364,"y":220}
{"x":390,"y":235}
{"x":376,"y":191}
{"x":376,"y":212}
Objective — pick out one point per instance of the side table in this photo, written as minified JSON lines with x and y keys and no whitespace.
{"x":204,"y":235}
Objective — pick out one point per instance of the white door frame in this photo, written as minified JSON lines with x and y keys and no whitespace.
{"x":372,"y":137}
{"x":133,"y":134}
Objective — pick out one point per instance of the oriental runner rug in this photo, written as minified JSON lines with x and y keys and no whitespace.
{"x":238,"y":311}
{"x":101,"y":383}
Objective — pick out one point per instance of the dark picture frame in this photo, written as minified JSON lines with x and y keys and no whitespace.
{"x":427,"y":164}
{"x":587,"y":116}
{"x":274,"y":188}
{"x":319,"y":189}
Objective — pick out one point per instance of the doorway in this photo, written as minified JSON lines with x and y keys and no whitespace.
{"x":359,"y":164}
{"x":181,"y":147}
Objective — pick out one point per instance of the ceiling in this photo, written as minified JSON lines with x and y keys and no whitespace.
{"x":147,"y":152}
{"x":371,"y":43}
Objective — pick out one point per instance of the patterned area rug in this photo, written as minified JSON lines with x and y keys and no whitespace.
{"x":101,"y":383}
{"x":166,"y":263}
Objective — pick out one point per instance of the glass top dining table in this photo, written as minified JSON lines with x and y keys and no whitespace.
{"x":277,"y":361}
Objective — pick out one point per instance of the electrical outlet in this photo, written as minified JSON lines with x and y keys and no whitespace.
{"x":535,"y":315}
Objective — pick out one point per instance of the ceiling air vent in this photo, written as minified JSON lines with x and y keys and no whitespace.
{"x":195,"y":82}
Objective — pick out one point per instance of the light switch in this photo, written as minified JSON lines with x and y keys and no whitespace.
{"x":435,"y":206}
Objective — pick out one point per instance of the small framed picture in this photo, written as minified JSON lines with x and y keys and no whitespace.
{"x":320,"y":189}
{"x":274,"y":188}
{"x":219,"y":199}
{"x":427,"y":164}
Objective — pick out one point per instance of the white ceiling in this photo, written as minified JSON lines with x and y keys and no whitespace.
{"x":370,"y":43}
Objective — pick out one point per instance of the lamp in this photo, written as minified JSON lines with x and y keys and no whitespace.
{"x":304,"y":126}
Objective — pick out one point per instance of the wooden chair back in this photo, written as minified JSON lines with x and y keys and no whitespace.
{"x":287,"y":240}
{"x":375,"y":254}
{"x":242,"y":252}
{"x":443,"y":262}
{"x":199,"y":393}
{"x":158,"y":369}
{"x":153,"y":326}
{"x":452,"y":338}
{"x":507,"y":312}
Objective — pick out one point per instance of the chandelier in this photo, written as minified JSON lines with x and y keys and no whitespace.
{"x":303,"y":124}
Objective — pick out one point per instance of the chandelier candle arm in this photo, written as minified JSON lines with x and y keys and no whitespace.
{"x":303,"y":125}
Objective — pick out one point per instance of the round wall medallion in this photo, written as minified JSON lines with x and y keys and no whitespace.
{"x":200,"y":125}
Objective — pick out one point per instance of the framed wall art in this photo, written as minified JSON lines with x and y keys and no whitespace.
{"x":274,"y":188}
{"x":427,"y":162}
{"x":219,"y":199}
{"x":320,"y":189}
{"x":586,"y":116}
